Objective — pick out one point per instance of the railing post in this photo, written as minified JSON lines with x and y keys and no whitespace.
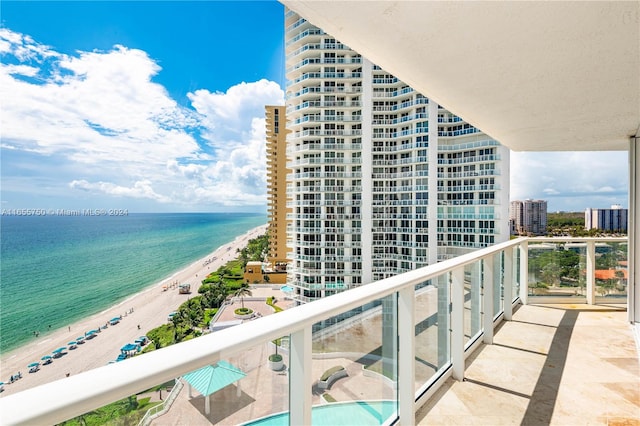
{"x":487,"y":301}
{"x":457,"y":323}
{"x":591,"y":272}
{"x":300,"y":377}
{"x":524,"y":272}
{"x":507,"y":269}
{"x":406,"y":355}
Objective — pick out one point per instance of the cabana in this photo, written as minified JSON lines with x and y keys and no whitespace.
{"x":129,"y":349}
{"x":212,"y":378}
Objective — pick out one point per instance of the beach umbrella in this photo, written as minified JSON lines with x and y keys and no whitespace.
{"x":129,"y":347}
{"x":33,"y":364}
{"x":60,"y":349}
{"x":72,"y":343}
{"x":46,"y":357}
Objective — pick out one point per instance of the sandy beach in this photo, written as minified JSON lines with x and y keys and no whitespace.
{"x":140,"y":313}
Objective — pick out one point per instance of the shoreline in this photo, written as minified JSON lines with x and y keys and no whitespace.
{"x":141,"y":312}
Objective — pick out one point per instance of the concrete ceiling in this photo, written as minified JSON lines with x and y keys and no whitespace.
{"x":536,"y":76}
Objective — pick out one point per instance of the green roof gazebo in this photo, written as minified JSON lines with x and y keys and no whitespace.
{"x":212,"y":378}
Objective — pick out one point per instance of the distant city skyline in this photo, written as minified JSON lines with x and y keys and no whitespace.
{"x":159,"y":106}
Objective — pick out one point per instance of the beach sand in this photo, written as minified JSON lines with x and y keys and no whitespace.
{"x":150,"y":309}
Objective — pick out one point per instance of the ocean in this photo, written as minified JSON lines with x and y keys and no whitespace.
{"x":55,"y":270}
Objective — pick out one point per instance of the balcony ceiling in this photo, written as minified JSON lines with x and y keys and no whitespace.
{"x":536,"y":76}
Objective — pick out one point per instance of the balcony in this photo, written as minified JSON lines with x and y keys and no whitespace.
{"x":461,"y":330}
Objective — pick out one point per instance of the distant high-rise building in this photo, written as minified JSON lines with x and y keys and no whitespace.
{"x":383,"y":180}
{"x":277,"y":184}
{"x":528,"y":217}
{"x":614,"y":219}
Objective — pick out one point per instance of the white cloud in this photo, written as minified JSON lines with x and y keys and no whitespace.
{"x":24,"y":70}
{"x":23,"y":46}
{"x":121,"y":134}
{"x":571,"y":181}
{"x":140,"y":189}
{"x":225,"y":114}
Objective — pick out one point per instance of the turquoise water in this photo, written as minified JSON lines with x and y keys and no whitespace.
{"x":56,"y":270}
{"x":339,"y":414}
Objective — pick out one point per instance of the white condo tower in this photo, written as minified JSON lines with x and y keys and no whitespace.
{"x":383,"y":180}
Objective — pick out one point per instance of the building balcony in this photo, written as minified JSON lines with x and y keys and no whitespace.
{"x":474,"y":339}
{"x":320,"y":147}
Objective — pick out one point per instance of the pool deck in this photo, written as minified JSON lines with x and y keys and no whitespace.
{"x":553,"y":364}
{"x":264,"y":392}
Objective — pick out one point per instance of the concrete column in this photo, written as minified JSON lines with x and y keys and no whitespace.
{"x":591,"y":272}
{"x":300,"y":378}
{"x":633,"y":290}
{"x":507,"y":267}
{"x":487,"y":305}
{"x":406,"y":355}
{"x":476,"y":297}
{"x":444,"y":320}
{"x":457,"y":323}
{"x":497,"y":283}
{"x":390,"y":336}
{"x":524,"y":272}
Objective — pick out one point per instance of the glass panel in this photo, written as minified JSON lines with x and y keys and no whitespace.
{"x":472,"y":301}
{"x":611,"y":272}
{"x":239,"y":389}
{"x":432,"y":330}
{"x":354,"y":365}
{"x":557,"y":270}
{"x":133,"y":409}
{"x":261,"y":389}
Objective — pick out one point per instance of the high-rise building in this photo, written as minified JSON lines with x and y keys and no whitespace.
{"x":275,"y":119}
{"x":528,"y":217}
{"x":383,"y":180}
{"x":614,"y":219}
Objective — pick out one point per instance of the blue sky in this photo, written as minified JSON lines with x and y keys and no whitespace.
{"x":159,"y":106}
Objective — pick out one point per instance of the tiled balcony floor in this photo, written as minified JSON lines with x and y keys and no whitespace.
{"x":551,"y":365}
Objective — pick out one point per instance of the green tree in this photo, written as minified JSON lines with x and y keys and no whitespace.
{"x":550,"y":274}
{"x":241,"y":292}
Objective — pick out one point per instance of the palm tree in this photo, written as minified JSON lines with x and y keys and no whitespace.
{"x":244,"y":290}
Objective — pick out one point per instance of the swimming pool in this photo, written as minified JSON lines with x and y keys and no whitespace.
{"x":286,"y":288}
{"x":338,"y":414}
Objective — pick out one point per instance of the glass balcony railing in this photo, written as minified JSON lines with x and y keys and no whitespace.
{"x":370,"y":351}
